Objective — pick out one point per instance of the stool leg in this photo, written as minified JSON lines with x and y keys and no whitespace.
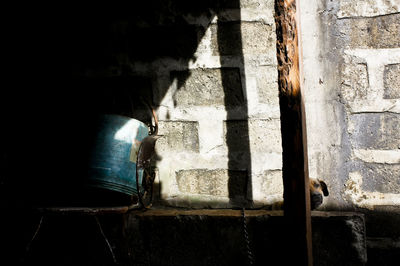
{"x":105,"y":238}
{"x":28,"y":247}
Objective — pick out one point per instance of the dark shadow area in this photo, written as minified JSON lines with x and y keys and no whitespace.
{"x":80,"y":65}
{"x":237,"y":131}
{"x":71,"y":63}
{"x":230,"y":43}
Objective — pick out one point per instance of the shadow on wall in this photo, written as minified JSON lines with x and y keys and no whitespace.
{"x":89,"y":57}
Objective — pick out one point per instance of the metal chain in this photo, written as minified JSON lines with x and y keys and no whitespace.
{"x":250,"y":255}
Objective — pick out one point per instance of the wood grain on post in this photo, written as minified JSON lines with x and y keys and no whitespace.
{"x":294,"y":138}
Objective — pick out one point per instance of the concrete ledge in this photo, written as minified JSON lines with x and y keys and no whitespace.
{"x":174,"y":237}
{"x":216,"y":237}
{"x":205,"y":212}
{"x":233,"y":213}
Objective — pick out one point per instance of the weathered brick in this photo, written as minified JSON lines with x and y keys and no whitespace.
{"x":255,"y":4}
{"x":392,"y":81}
{"x":178,"y":136}
{"x":226,"y":39}
{"x":237,"y":38}
{"x":376,"y":32}
{"x":209,"y":87}
{"x":354,"y":83}
{"x":219,"y":182}
{"x":267,"y":85}
{"x":258,"y":38}
{"x":375,"y":130}
{"x":272,"y":183}
{"x":366,"y":8}
{"x":382,"y":178}
{"x":236,"y":133}
{"x":265,"y":135}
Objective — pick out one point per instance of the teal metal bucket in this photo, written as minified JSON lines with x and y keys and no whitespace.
{"x":112,"y":164}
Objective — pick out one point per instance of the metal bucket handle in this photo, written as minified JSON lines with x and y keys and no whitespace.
{"x":143,"y":162}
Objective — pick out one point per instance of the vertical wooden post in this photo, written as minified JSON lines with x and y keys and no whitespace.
{"x":294,"y":137}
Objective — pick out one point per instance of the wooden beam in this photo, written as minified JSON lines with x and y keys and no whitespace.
{"x":294,"y":136}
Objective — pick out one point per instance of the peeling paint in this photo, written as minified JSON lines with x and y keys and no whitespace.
{"x":354,"y":193}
